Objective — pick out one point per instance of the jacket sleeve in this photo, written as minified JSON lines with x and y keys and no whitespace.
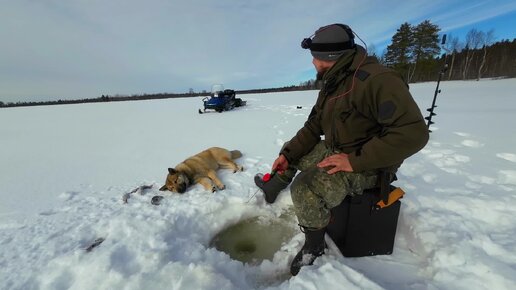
{"x":403,"y":132}
{"x":305,"y":139}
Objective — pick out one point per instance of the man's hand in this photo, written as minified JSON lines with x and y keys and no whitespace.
{"x":280,"y":164}
{"x":339,"y":162}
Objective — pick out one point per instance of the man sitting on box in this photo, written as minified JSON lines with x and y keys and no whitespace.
{"x":370,"y":124}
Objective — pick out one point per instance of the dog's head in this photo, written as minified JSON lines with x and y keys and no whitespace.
{"x":176,"y":181}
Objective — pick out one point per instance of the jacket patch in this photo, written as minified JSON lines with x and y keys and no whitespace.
{"x":386,"y":110}
{"x":362,"y":75}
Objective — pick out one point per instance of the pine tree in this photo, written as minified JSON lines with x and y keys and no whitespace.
{"x":398,"y":52}
{"x":413,"y":50}
{"x":425,"y":46}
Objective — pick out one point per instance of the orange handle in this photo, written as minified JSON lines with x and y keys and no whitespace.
{"x":393,"y":197}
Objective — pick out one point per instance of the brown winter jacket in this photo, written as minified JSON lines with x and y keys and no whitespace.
{"x":378,"y":123}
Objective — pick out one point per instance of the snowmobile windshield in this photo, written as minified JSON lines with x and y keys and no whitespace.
{"x":217,"y":88}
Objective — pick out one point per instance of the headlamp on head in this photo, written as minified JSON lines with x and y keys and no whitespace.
{"x":305,"y":44}
{"x":330,"y":41}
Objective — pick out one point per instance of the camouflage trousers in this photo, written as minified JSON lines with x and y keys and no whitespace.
{"x":314,"y":192}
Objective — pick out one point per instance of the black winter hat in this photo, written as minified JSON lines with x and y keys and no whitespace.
{"x":330,"y":42}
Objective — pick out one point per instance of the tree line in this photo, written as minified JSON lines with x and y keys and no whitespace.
{"x":103,"y":98}
{"x":121,"y":98}
{"x":416,"y":52}
{"x":496,"y":60}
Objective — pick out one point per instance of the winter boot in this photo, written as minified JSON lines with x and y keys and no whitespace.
{"x":313,"y":248}
{"x":273,"y":186}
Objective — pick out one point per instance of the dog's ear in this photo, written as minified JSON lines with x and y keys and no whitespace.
{"x":163,"y":188}
{"x":171,"y":171}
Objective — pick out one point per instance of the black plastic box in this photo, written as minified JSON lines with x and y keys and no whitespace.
{"x":360,"y":229}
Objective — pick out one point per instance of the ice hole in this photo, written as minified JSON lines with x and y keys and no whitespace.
{"x":256,"y":239}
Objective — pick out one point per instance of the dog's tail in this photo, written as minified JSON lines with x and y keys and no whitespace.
{"x":235,"y":154}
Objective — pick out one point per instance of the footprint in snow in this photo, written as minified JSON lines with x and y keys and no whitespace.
{"x":250,"y":162}
{"x":461,"y":158}
{"x":235,"y":184}
{"x":429,"y":178}
{"x":507,"y":156}
{"x":447,"y":160}
{"x":472,"y":185}
{"x":48,"y":213}
{"x":507,"y":177}
{"x":462,"y":134}
{"x":482,"y":179}
{"x":472,"y":143}
{"x":410,"y":169}
{"x":68,"y":195}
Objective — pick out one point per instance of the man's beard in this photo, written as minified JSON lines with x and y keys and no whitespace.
{"x":320,"y":75}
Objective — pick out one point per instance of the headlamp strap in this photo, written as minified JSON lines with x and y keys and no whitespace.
{"x":337,"y":46}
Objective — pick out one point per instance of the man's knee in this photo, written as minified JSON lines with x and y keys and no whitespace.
{"x":301,"y":189}
{"x":303,"y":179}
{"x":300,"y":179}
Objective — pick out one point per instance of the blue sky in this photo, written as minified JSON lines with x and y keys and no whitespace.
{"x":52,"y":49}
{"x":504,"y":26}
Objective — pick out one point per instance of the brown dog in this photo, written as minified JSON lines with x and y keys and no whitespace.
{"x":201,"y":168}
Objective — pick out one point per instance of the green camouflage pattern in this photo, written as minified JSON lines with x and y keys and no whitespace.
{"x":314,"y":192}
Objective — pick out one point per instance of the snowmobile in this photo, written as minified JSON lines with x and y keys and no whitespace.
{"x":221,"y":100}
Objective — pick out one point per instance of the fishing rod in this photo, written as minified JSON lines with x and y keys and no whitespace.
{"x":437,"y":90}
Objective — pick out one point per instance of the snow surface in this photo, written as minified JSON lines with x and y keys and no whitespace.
{"x":64,"y":170}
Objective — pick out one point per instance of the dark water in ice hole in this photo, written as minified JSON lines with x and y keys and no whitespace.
{"x":255,"y":239}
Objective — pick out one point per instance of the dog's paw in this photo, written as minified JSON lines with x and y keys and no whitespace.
{"x":239,"y":168}
{"x":222,"y":187}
